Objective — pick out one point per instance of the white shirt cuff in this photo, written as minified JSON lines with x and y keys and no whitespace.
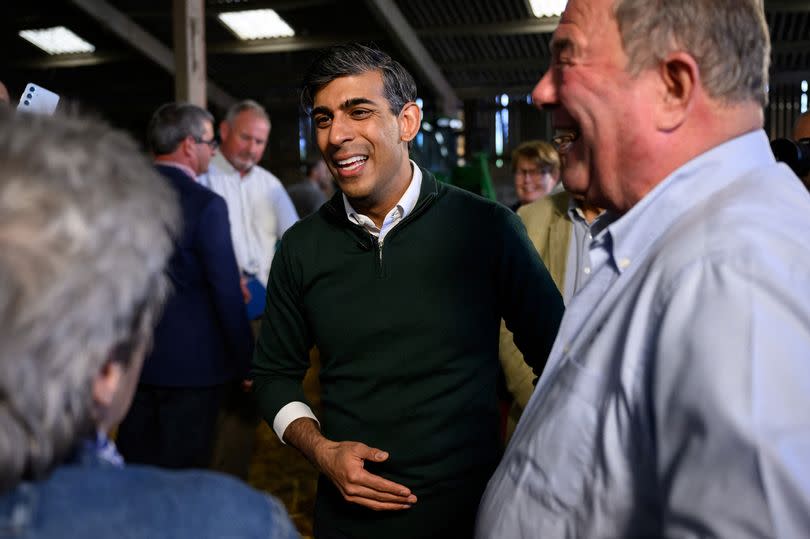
{"x":289,"y":413}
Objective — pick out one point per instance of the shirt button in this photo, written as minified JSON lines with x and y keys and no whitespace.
{"x":587,"y":271}
{"x":624,"y":262}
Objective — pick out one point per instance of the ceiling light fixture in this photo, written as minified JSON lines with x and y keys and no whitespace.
{"x":256,"y":24}
{"x":57,"y":40}
{"x":547,"y":8}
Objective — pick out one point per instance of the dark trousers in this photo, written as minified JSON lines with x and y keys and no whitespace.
{"x":170,"y":427}
{"x":236,"y":432}
{"x":236,"y":427}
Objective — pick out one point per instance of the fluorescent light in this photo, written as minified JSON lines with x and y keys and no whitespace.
{"x":547,"y":8}
{"x":256,"y":24}
{"x":57,"y":40}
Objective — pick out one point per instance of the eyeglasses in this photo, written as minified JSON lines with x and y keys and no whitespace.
{"x":213,"y":143}
{"x":543,"y":169}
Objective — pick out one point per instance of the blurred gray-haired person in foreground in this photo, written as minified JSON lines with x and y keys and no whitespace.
{"x":86,"y":228}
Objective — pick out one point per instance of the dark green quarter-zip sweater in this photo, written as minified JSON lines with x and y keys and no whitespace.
{"x":408,"y":336}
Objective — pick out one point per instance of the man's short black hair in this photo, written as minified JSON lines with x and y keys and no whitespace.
{"x":399,"y":87}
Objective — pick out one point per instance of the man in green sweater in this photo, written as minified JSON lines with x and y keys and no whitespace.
{"x":401,"y":282}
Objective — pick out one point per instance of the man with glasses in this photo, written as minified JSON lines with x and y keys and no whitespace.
{"x":203,"y":339}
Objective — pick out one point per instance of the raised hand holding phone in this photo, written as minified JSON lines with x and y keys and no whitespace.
{"x":38,"y":100}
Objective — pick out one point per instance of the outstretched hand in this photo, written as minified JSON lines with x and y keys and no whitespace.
{"x":344,"y":464}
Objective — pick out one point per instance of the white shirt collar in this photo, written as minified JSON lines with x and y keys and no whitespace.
{"x":221,"y":166}
{"x":401,"y":210}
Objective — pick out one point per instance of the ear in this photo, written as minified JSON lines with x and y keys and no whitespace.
{"x":106,"y":383}
{"x":679,"y":79}
{"x":224,"y":130}
{"x":410,"y":119}
{"x":187,"y":146}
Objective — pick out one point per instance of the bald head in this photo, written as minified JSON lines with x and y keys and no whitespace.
{"x":4,"y":98}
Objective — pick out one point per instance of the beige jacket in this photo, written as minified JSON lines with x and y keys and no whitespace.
{"x":549,"y":229}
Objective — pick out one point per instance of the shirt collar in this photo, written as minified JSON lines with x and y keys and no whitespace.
{"x":97,"y":451}
{"x":406,"y":203}
{"x":637,"y":230}
{"x":220,"y":165}
{"x":596,"y":226}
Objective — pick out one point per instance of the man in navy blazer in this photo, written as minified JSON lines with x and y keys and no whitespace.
{"x":203,"y":339}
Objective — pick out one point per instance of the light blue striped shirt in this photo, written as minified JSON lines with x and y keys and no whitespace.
{"x":676,"y":399}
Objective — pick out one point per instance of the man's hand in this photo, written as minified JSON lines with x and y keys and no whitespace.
{"x":243,"y":285}
{"x":344,"y":464}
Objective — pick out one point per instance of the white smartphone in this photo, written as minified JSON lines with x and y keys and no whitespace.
{"x":38,"y":100}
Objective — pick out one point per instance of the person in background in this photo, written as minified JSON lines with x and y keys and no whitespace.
{"x":674,"y":402}
{"x":316,"y":188}
{"x":260,"y":212}
{"x":536,"y":167}
{"x":802,"y":131}
{"x":203,"y":339}
{"x":259,"y":208}
{"x":86,"y":230}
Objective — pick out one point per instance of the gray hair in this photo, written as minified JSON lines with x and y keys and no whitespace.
{"x":354,"y":59}
{"x":728,"y":38}
{"x":86,"y":228}
{"x":246,"y":105}
{"x":172,"y":123}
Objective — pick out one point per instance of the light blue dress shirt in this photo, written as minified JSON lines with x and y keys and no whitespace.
{"x":676,"y":399}
{"x":578,"y":265}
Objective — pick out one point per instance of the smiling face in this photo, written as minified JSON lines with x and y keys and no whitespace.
{"x":597,"y":103}
{"x":533,"y":179}
{"x":363,"y":143}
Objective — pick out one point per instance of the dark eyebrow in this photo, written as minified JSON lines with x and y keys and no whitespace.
{"x":349,"y":103}
{"x":353,"y":102}
{"x":320,"y":110}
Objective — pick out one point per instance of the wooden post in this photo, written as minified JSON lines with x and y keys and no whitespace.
{"x":189,"y":52}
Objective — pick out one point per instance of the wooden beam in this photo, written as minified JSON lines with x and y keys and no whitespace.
{"x":394,"y":22}
{"x":285,"y":44}
{"x":72,"y":60}
{"x":142,"y":41}
{"x":545,"y":25}
{"x":188,"y":17}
